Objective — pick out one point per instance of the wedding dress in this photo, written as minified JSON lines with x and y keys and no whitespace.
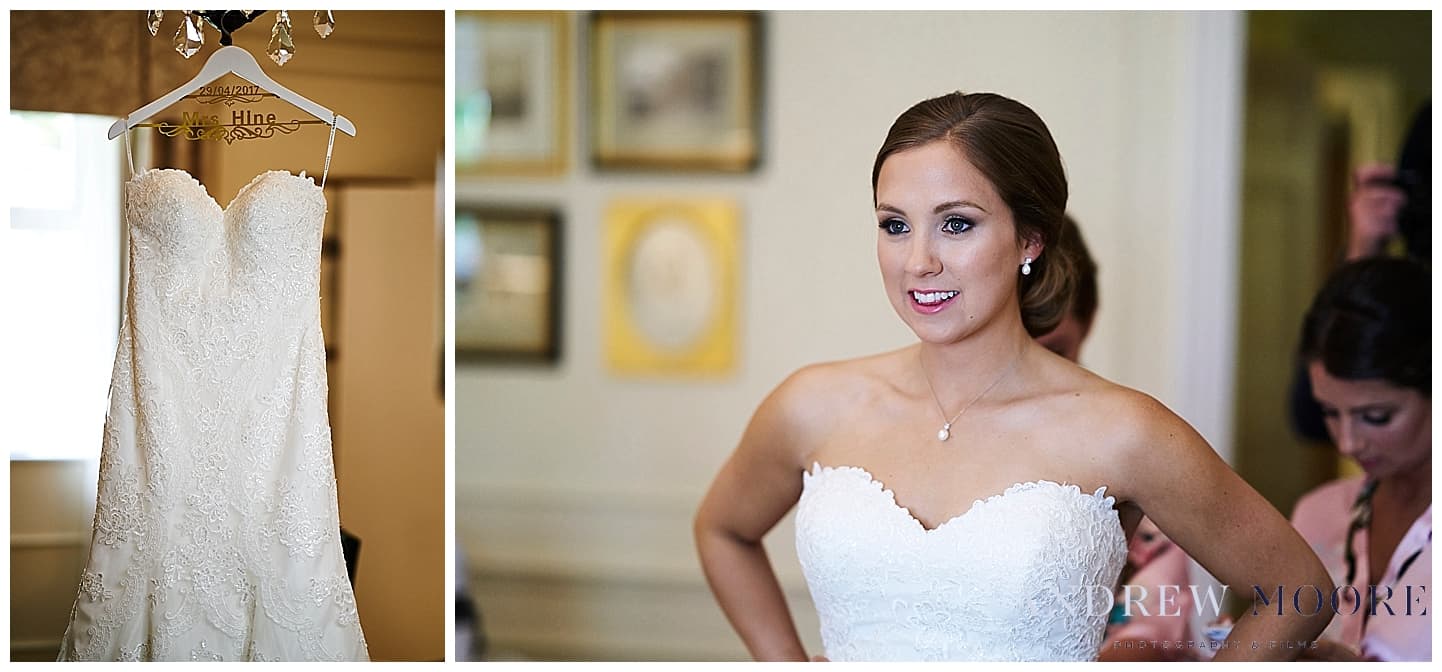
{"x":1023,"y":575}
{"x":216,"y":532}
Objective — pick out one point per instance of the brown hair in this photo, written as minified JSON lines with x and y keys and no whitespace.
{"x":1373,"y":320}
{"x":1072,"y":244}
{"x":1012,"y":147}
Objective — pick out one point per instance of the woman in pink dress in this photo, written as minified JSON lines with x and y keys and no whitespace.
{"x":1367,"y":344}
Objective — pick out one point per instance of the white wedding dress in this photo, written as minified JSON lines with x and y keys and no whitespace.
{"x":216,"y":532}
{"x":1025,"y":575}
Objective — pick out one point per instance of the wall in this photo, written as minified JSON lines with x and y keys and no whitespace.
{"x":576,"y":488}
{"x":389,"y":416}
{"x":49,"y":537}
{"x":385,"y":71}
{"x":96,"y":62}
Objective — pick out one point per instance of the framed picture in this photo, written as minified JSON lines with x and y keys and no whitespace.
{"x":676,"y":90}
{"x":670,"y":287}
{"x":508,"y":284}
{"x":511,"y":83}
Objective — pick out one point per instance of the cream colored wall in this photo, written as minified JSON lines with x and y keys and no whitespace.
{"x":575,"y":489}
{"x":389,"y":417}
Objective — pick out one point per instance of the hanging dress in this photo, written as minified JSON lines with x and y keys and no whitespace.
{"x":216,"y":533}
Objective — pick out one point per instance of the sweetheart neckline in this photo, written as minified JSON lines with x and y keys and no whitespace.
{"x":206,"y":190}
{"x":1108,"y":501}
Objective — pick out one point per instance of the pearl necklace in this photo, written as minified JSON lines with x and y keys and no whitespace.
{"x":945,"y":432}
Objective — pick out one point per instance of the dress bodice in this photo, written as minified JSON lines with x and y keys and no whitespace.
{"x":1023,"y":575}
{"x":266,"y":240}
{"x":213,"y":284}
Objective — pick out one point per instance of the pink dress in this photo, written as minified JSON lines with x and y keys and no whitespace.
{"x":1160,"y":601}
{"x":1401,"y":628}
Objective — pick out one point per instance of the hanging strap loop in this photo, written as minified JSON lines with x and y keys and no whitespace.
{"x":328,"y":146}
{"x":130,"y":157}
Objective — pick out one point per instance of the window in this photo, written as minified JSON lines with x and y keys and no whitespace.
{"x":60,"y":280}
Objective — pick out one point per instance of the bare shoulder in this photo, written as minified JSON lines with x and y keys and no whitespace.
{"x":806,"y":405}
{"x":761,"y":480}
{"x":838,"y":381}
{"x":1130,"y":433}
{"x":1134,"y":420}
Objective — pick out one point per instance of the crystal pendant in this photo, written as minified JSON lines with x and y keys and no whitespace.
{"x":281,"y":48}
{"x":324,"y":23}
{"x":945,"y":432}
{"x":189,"y":39}
{"x":152,"y":20}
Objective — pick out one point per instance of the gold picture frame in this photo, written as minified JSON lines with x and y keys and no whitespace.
{"x":512,"y":83}
{"x":671,"y":277}
{"x":676,"y":90}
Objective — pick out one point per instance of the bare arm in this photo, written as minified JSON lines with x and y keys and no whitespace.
{"x":1236,"y":534}
{"x":756,"y":487}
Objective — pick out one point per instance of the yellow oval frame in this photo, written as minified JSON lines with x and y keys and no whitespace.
{"x":628,"y":351}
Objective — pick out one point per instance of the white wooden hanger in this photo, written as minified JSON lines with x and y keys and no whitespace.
{"x":230,"y":59}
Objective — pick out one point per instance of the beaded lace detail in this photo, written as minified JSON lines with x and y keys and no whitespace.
{"x":216,"y":532}
{"x":1024,"y":575}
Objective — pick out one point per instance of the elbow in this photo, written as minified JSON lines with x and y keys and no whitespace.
{"x":700,"y":525}
{"x":712,"y":543}
{"x":705,"y":520}
{"x":701,"y":535}
{"x":1318,"y":621}
{"x":705,"y":529}
{"x":709,"y":531}
{"x":1324,"y":581}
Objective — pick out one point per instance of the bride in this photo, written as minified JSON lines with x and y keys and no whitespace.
{"x":969,"y":497}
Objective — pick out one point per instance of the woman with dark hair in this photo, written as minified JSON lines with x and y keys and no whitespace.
{"x":969,"y":497}
{"x":1389,"y":207}
{"x":1367,"y":345}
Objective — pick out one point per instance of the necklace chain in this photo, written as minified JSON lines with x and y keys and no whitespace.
{"x":945,"y":432}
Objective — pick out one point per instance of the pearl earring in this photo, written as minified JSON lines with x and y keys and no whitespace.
{"x":1026,"y":266}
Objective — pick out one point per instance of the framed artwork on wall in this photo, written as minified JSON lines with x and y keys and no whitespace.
{"x":512,"y":79}
{"x":508,"y":284}
{"x":671,"y":275}
{"x":676,"y":90}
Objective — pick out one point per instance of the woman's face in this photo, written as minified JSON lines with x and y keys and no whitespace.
{"x":1387,"y":429}
{"x":946,"y":243}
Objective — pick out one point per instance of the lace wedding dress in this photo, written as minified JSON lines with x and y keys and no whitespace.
{"x":1024,"y":575}
{"x":216,"y":532}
